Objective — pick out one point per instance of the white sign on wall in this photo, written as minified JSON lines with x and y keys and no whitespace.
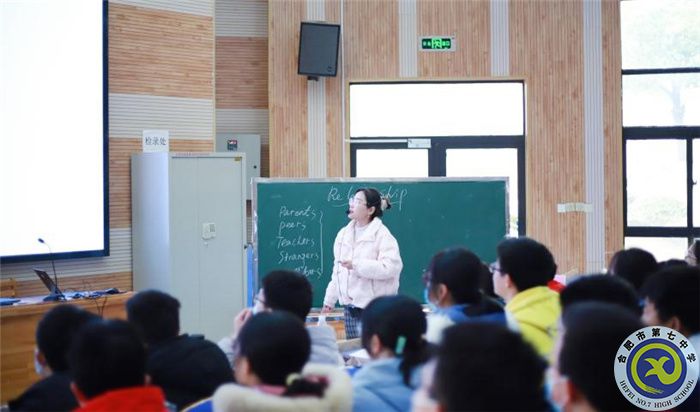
{"x":156,"y":141}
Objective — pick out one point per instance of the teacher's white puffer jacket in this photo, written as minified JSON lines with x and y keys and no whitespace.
{"x":376,"y":262}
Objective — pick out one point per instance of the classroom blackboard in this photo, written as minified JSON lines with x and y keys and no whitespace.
{"x":296,"y":222}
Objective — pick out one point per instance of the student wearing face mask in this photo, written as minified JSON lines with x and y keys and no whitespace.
{"x":54,"y":335}
{"x":367,"y":259}
{"x":288,"y":291}
{"x":452,"y":291}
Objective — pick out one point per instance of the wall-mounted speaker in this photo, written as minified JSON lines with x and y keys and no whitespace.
{"x":318,"y":49}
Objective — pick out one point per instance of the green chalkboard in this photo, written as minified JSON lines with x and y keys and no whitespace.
{"x":296,"y":222}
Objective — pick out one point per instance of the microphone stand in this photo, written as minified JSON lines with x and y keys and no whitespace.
{"x":56,"y":295}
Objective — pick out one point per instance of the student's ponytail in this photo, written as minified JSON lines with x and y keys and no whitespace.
{"x":412,"y":356}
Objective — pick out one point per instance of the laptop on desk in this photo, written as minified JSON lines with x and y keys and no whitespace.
{"x":48,"y":282}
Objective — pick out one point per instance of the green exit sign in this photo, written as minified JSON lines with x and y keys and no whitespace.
{"x":437,"y":43}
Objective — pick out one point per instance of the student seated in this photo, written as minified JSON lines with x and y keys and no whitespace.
{"x":392,"y":334}
{"x":274,"y":347}
{"x":582,"y":373}
{"x":600,"y":288}
{"x":188,"y":368}
{"x":291,"y":292}
{"x":452,"y":290}
{"x":672,"y":299}
{"x":54,"y":335}
{"x":108,"y":362}
{"x":520,"y":276}
{"x":484,"y":367}
{"x":634,"y":265}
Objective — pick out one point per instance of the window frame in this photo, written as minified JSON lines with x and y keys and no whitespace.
{"x":437,"y":152}
{"x":686,"y":133}
{"x":437,"y":157}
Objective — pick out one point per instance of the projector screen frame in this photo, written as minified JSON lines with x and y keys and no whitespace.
{"x":105,"y":166}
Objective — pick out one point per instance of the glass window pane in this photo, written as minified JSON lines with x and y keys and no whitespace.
{"x":696,"y":182}
{"x":661,"y":99}
{"x":436,"y":109}
{"x":656,"y":183}
{"x":488,"y":163}
{"x":392,"y":163}
{"x":663,"y":248}
{"x":660,"y":34}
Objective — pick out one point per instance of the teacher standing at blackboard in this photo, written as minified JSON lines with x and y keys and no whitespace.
{"x":367,"y":261}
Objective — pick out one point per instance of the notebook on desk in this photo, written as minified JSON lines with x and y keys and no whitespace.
{"x":8,"y":301}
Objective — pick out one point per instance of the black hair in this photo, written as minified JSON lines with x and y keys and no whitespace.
{"x":392,"y":318}
{"x":460,"y":271}
{"x":57,"y":330}
{"x":107,"y":355}
{"x":601,"y":288}
{"x":593,"y":334}
{"x":674,"y":292}
{"x":486,"y":284}
{"x":484,"y":366}
{"x":665,"y":264}
{"x":155,"y":315}
{"x":276,"y":345}
{"x":374,"y":199}
{"x":288,"y":290}
{"x":633,"y":264}
{"x":528,"y":262}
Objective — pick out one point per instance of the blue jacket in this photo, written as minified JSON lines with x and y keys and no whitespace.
{"x":379,"y":386}
{"x":488,"y":310}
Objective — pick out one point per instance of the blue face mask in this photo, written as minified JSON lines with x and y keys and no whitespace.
{"x":426,"y":296}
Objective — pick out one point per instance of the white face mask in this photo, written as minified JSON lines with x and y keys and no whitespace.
{"x":257,"y":308}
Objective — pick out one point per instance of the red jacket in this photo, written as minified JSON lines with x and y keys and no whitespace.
{"x":134,"y":399}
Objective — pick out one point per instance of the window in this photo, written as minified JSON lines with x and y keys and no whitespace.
{"x":661,"y":124}
{"x":450,"y":129}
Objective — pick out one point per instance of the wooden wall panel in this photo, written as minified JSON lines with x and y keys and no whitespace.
{"x":186,"y":145}
{"x":160,"y":52}
{"x":241,"y":73}
{"x":120,"y":151}
{"x":334,"y":111}
{"x":546,"y":48}
{"x":469,"y":22}
{"x":371,"y":39}
{"x":612,"y":118}
{"x":287,"y":91}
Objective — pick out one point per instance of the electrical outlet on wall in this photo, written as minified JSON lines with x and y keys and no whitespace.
{"x":208,"y":231}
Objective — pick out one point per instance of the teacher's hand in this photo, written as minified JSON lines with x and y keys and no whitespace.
{"x":347,"y":264}
{"x":326,"y":309}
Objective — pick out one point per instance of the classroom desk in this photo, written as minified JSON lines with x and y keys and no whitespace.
{"x":17,"y":336}
{"x":334,"y":319}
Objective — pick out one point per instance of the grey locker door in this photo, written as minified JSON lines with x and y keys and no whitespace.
{"x":184,"y":240}
{"x":221,"y":203}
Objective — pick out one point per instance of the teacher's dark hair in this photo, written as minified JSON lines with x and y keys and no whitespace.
{"x":375,"y":200}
